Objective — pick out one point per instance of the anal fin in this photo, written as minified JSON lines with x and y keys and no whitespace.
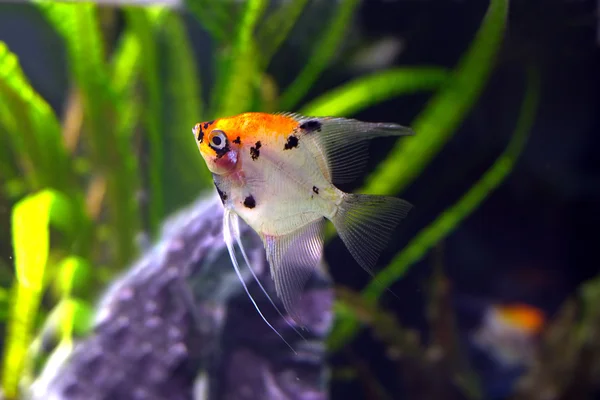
{"x":293,"y":258}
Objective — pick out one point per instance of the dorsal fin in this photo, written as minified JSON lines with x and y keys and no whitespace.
{"x":341,"y":143}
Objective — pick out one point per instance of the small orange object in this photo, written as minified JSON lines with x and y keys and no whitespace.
{"x":524,"y":316}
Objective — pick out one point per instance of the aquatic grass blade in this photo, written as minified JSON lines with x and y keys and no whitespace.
{"x":366,"y":91}
{"x":31,"y":219}
{"x":321,"y":56}
{"x":214,"y":16}
{"x":446,"y":110}
{"x":453,"y":216}
{"x":276,"y":28}
{"x":240,"y":69}
{"x":78,"y":25}
{"x":73,"y":276}
{"x":33,"y":130}
{"x":140,"y":21}
{"x":125,"y":63}
{"x":183,"y":108}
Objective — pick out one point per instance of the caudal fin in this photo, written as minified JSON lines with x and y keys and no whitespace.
{"x":365,"y":224}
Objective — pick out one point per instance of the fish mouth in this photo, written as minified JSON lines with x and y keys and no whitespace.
{"x":225,"y":164}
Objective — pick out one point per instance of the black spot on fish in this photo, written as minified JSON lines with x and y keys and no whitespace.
{"x":316,"y":190}
{"x":249,"y":202}
{"x":237,"y":140}
{"x":254,"y":151}
{"x":222,"y":194}
{"x":311,"y":125}
{"x":292,"y":142}
{"x":200,"y":134}
{"x":207,"y":124}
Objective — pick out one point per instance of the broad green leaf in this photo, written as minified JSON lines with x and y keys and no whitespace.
{"x":366,"y":91}
{"x":444,"y":113}
{"x":453,"y":216}
{"x":323,"y":52}
{"x":31,"y":219}
{"x":33,"y":129}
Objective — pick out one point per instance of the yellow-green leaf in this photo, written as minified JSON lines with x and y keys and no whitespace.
{"x":31,"y":219}
{"x":33,"y":130}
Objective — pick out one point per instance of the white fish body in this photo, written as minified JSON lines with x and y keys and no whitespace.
{"x":278,"y":173}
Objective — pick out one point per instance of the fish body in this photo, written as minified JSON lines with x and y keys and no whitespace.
{"x":278,"y":173}
{"x":509,"y":333}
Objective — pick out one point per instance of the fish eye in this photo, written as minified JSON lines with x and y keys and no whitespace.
{"x":217,"y":139}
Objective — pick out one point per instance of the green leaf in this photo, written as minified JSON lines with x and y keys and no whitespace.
{"x":4,"y":303}
{"x":453,"y":216}
{"x":73,"y":275}
{"x":213,"y":16}
{"x":111,"y":152}
{"x":74,"y":317}
{"x":33,"y":130}
{"x":31,"y":219}
{"x":125,"y":63}
{"x":277,"y":26}
{"x":444,"y":113}
{"x":240,"y":68}
{"x":450,"y":219}
{"x":322,"y":54}
{"x":141,"y":23}
{"x":78,"y":25}
{"x":366,"y":91}
{"x":183,"y":109}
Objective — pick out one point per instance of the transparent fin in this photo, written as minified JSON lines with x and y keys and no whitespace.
{"x":293,"y":258}
{"x":235,"y":227}
{"x":365,"y":224}
{"x":342,"y":142}
{"x":227,"y":235}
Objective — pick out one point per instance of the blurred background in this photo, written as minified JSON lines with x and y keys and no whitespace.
{"x":495,"y":283}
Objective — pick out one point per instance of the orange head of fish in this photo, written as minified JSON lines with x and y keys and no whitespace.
{"x":219,"y":145}
{"x":220,"y":141}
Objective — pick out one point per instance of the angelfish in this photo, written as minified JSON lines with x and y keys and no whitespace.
{"x":278,"y":173}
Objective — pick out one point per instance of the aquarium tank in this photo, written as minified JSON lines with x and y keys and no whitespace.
{"x":116,"y":273}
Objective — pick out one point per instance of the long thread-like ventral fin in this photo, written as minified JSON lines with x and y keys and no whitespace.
{"x":235,"y":225}
{"x":229,"y":243}
{"x":365,"y":224}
